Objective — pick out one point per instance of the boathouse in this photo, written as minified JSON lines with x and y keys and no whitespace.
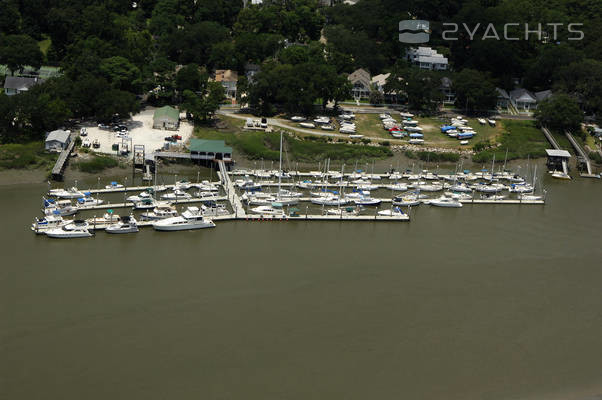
{"x":166,"y":118}
{"x":57,"y":141}
{"x":556,"y":158}
{"x":210,"y":150}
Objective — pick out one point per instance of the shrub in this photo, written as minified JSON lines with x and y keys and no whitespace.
{"x":97,"y":164}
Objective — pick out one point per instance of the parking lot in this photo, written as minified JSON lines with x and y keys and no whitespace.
{"x":140,"y":132}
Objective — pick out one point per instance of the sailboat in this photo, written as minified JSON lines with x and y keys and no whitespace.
{"x":281,"y":196}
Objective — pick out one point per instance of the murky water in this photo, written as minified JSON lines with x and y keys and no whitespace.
{"x":483,"y":302}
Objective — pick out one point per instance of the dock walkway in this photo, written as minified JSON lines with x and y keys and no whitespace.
{"x":583,"y":157}
{"x":59,"y":166}
{"x":237,"y":206}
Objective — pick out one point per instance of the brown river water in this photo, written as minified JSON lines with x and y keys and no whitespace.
{"x":482,"y":302}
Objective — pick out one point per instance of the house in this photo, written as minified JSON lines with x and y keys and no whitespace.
{"x":18,"y":84}
{"x":543,"y":95}
{"x":427,"y":58}
{"x":502,"y":98}
{"x":361,"y":81}
{"x":166,"y":118}
{"x":251,"y":70}
{"x":523,"y":100}
{"x":228,"y":79}
{"x":57,"y":140}
{"x":449,"y":96}
{"x":379,"y":81}
{"x":203,"y":149}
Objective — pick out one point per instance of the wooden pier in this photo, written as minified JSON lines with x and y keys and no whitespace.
{"x":582,"y":157}
{"x":59,"y":166}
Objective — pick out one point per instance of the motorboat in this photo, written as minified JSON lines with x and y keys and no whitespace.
{"x":257,"y":201}
{"x":482,"y":121}
{"x":492,"y":196}
{"x":354,"y":136}
{"x":282,"y":175}
{"x":327,"y":127}
{"x":458,"y":196}
{"x":492,"y":188}
{"x":70,"y":231}
{"x":322,"y":120}
{"x":213,"y":209}
{"x":176,"y":195}
{"x":247,"y":184}
{"x":530,"y":197}
{"x":127,"y":224}
{"x":394,"y":176}
{"x":384,"y":116}
{"x":138,"y":197}
{"x":203,"y":194}
{"x":114,"y":185}
{"x":522,"y":188}
{"x":182,"y":185}
{"x":406,"y":115}
{"x":410,"y":122}
{"x":269,"y":210}
{"x":58,"y":207}
{"x":428,"y":187}
{"x":49,"y":222}
{"x":192,"y":218}
{"x":414,"y":130}
{"x":357,"y":194}
{"x":88,"y":201}
{"x":561,"y":175}
{"x":445,"y":202}
{"x":104,"y":221}
{"x":71,"y":193}
{"x":160,"y":212}
{"x":307,"y":184}
{"x":309,"y":125}
{"x":330,"y":201}
{"x":297,"y":118}
{"x":491,"y":122}
{"x":367,"y":201}
{"x":416,"y":141}
{"x":460,"y":188}
{"x":393,"y":212}
{"x":345,"y":211}
{"x":406,"y":201}
{"x":366,"y":186}
{"x":398,"y":187}
{"x":206,"y":186}
{"x":145,"y":204}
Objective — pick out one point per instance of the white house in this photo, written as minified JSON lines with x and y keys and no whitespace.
{"x":57,"y":140}
{"x":379,"y":81}
{"x":523,"y":100}
{"x":427,"y":58}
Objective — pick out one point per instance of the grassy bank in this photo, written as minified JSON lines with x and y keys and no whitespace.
{"x":26,"y":156}
{"x":257,"y":145}
{"x":522,"y":139}
{"x":432,"y":156}
{"x":96,"y":164}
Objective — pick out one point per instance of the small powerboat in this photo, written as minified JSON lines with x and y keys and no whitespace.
{"x":127,"y":224}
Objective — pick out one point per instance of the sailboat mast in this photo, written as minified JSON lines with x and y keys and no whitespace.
{"x":280,"y":169}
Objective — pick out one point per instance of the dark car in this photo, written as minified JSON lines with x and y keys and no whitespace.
{"x":170,"y":139}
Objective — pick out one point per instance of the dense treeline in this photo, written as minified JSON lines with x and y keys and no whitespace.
{"x":114,"y":54}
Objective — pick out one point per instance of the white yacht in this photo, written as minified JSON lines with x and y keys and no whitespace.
{"x":247,"y":184}
{"x":88,"y":201}
{"x":182,"y":185}
{"x":268,"y":210}
{"x":346,"y":211}
{"x":138,"y":197}
{"x":145,"y":204}
{"x":445,"y":202}
{"x":521,"y":188}
{"x":406,"y":201}
{"x":214,"y":210}
{"x":428,"y":187}
{"x":530,"y":197}
{"x":75,"y":229}
{"x":127,"y":224}
{"x":71,"y":193}
{"x":44,"y":224}
{"x":114,"y":185}
{"x":58,"y":207}
{"x":398,"y":187}
{"x":330,"y":201}
{"x":206,"y":186}
{"x":257,"y":200}
{"x":104,"y":221}
{"x":192,"y":218}
{"x":176,"y":195}
{"x":161,"y":211}
{"x":393,"y":212}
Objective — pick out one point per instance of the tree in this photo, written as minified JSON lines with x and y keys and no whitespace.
{"x":202,"y":106}
{"x":474,"y":90}
{"x":190,"y":78}
{"x":376,"y":97}
{"x":120,"y":73}
{"x":17,"y":51}
{"x":560,"y":112}
{"x":10,"y":18}
{"x":583,"y":80}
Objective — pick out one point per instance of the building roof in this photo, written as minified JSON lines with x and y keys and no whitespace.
{"x":523,"y":95}
{"x":213,"y":146}
{"x":59,"y":135}
{"x":502,"y":93}
{"x":558,"y":153}
{"x":543,"y":95}
{"x":226,"y":75}
{"x":434,"y":59}
{"x":381,"y":79}
{"x":167,"y":111}
{"x":360,"y":75}
{"x":19,"y":83}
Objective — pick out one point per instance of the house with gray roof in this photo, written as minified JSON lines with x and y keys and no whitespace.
{"x":523,"y":100}
{"x":361,"y":81}
{"x":503,"y":99}
{"x":427,"y":58}
{"x":18,"y":84}
{"x":57,"y":140}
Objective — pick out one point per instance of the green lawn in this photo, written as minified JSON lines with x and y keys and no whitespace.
{"x":522,"y":139}
{"x":96,"y":164}
{"x":44,"y":45}
{"x":28,"y":155}
{"x":257,"y":145}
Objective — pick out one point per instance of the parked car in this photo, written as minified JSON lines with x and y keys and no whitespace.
{"x":83,"y":132}
{"x":96,"y":143}
{"x":170,"y":139}
{"x":177,"y":137}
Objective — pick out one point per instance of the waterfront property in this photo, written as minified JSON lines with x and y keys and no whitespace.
{"x":210,"y":150}
{"x":57,"y":141}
